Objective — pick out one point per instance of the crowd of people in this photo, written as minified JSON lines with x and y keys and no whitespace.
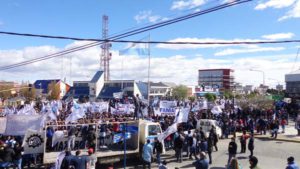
{"x":188,"y":139}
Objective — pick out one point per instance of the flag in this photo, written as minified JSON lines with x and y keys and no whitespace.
{"x":136,"y":49}
{"x":59,"y":159}
{"x":182,"y":115}
{"x":170,"y":130}
{"x":216,"y":110}
{"x":120,"y":137}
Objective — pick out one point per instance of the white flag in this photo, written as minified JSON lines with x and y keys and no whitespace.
{"x":170,"y":130}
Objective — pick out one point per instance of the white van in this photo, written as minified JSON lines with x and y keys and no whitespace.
{"x":207,"y":124}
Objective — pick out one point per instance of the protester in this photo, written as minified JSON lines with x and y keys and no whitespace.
{"x":18,"y":155}
{"x":210,"y":142}
{"x":71,"y":137}
{"x":251,"y":145}
{"x":158,"y":147}
{"x":67,"y":160}
{"x":178,"y":145}
{"x":291,"y":163}
{"x":201,"y":163}
{"x":253,"y":162}
{"x":243,"y":140}
{"x":80,"y":162}
{"x":147,"y":154}
{"x":232,"y":148}
{"x":234,"y":164}
{"x":92,"y":159}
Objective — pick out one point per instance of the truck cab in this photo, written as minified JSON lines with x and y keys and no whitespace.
{"x":207,"y":124}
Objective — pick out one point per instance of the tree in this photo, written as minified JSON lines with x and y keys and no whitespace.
{"x":5,"y":91}
{"x":192,"y":98}
{"x":180,"y":92}
{"x":210,"y":96}
{"x":53,"y":91}
{"x":228,"y":94}
{"x":28,"y":93}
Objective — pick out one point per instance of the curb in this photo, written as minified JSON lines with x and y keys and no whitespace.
{"x":277,"y":139}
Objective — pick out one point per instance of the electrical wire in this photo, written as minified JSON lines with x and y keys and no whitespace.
{"x":124,"y":35}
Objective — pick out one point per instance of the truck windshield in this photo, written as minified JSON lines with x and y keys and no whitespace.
{"x":153,"y":130}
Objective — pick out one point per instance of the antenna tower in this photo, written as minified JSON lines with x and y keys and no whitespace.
{"x":105,"y":54}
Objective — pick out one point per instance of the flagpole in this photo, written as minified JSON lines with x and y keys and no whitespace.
{"x":149,"y":61}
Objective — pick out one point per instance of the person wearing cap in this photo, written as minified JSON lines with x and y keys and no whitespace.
{"x":232,"y":148}
{"x":92,"y":159}
{"x":291,"y":163}
{"x":202,"y":162}
{"x":253,"y":162}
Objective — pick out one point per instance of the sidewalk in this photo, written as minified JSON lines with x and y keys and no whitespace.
{"x":290,"y":134}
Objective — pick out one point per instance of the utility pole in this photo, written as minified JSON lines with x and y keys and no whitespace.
{"x":105,"y":54}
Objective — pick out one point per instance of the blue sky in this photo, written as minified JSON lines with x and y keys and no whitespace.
{"x":257,"y":20}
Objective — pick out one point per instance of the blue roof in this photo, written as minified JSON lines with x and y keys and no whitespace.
{"x":107,"y":92}
{"x":143,"y":87}
{"x":97,"y":76}
{"x":43,"y":84}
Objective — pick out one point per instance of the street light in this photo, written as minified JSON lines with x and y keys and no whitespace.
{"x":261,"y":72}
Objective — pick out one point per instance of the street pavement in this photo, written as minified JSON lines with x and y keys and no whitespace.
{"x":271,"y":155}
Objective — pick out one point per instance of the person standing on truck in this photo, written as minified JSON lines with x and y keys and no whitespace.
{"x":157,"y":149}
{"x":137,"y":107}
{"x":147,"y":154}
{"x":71,"y":137}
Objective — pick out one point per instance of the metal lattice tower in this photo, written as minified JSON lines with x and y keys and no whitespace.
{"x":105,"y":54}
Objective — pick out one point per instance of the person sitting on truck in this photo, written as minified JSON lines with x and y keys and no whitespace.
{"x":147,"y":154}
{"x":157,"y":149}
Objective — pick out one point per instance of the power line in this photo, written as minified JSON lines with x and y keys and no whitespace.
{"x":159,"y":42}
{"x":124,"y":35}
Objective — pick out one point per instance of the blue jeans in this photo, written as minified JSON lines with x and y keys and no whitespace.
{"x":18,"y":163}
{"x":158,"y":157}
{"x":5,"y":164}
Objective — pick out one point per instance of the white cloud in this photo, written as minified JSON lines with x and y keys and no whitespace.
{"x":275,"y":4}
{"x":148,"y":17}
{"x":177,"y":68}
{"x":279,"y":36}
{"x":248,"y":50}
{"x":202,"y":40}
{"x":187,"y":4}
{"x":293,"y":13}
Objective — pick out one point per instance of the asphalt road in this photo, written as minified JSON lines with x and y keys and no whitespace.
{"x":270,"y":154}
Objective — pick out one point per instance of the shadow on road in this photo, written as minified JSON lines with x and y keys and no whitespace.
{"x":217,"y":168}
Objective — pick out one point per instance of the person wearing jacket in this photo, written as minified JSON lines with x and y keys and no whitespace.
{"x":232,"y":148}
{"x":210,"y":144}
{"x":251,"y":145}
{"x":178,"y":144}
{"x":157,"y":149}
{"x":291,"y":163}
{"x":253,"y":162}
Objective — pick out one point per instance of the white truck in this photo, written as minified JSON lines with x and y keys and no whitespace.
{"x":206,"y":125}
{"x":139,"y":131}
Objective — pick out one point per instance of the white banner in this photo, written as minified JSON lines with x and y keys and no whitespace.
{"x":18,"y":124}
{"x":122,"y":109}
{"x":99,"y":107}
{"x":167,"y":107}
{"x":2,"y":125}
{"x":182,"y":115}
{"x":34,"y":142}
{"x":58,"y":136}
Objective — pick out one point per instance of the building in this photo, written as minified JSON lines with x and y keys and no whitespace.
{"x":279,"y":87}
{"x":223,"y":79}
{"x":90,"y":89}
{"x":248,"y":89}
{"x":42,"y":87}
{"x":292,"y":81}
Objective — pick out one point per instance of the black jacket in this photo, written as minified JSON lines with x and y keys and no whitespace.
{"x":178,"y":143}
{"x":232,"y":148}
{"x":251,"y":144}
{"x":157,"y":147}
